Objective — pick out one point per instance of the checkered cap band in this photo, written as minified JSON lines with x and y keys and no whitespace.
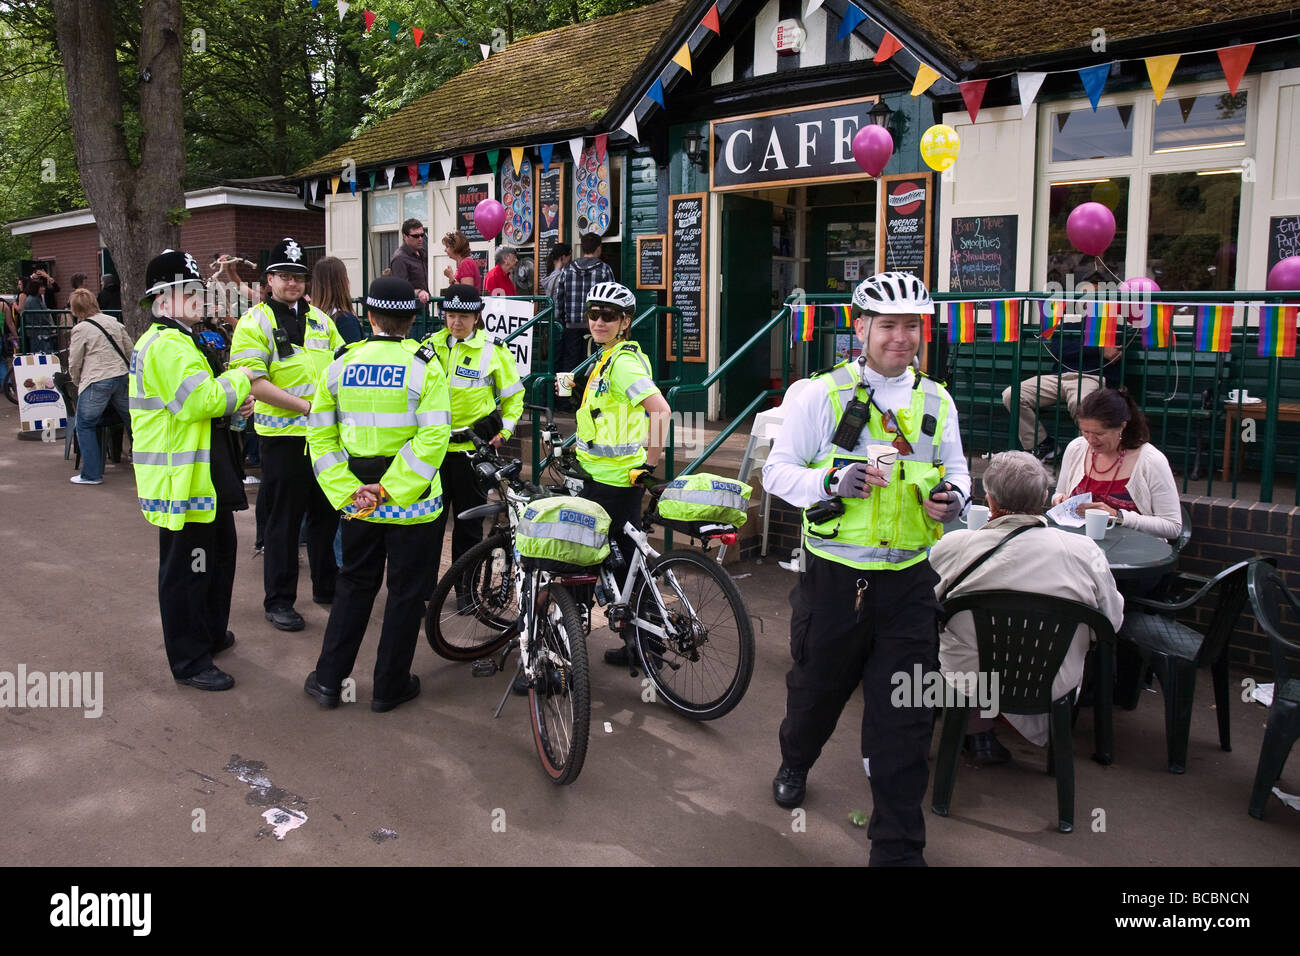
{"x":391,"y":305}
{"x":457,"y":304}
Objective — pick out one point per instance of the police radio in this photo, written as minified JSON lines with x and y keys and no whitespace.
{"x":283,"y":347}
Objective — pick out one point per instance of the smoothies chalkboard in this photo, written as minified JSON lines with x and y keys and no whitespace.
{"x":1283,"y":238}
{"x":983,"y":254}
{"x":467,"y":197}
{"x":688,"y":222}
{"x":650,"y":252}
{"x":905,"y":234}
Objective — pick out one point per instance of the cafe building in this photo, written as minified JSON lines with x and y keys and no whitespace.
{"x":710,"y":144}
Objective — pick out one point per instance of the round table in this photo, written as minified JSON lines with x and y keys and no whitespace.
{"x":1129,"y":552}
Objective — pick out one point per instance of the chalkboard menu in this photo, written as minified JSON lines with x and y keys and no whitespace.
{"x":688,"y":220}
{"x":1283,"y":239}
{"x":905,"y":233}
{"x":650,"y":261}
{"x":550,"y":217}
{"x":983,"y":254}
{"x":467,"y":197}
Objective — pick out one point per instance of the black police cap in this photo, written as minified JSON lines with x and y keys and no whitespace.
{"x":170,"y":269}
{"x":287,"y":256}
{"x":392,"y":296}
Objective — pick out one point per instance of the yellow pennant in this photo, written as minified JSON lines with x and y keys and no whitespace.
{"x":517,"y":155}
{"x":683,"y":57}
{"x":925,"y":77}
{"x":1161,"y":69}
{"x":334,"y":185}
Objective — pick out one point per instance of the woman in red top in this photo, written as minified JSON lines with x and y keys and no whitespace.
{"x":464,"y":270}
{"x":498,"y":280}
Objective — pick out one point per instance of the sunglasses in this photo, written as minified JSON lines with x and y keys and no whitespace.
{"x":416,"y":235}
{"x":900,"y":441}
{"x":604,"y":315}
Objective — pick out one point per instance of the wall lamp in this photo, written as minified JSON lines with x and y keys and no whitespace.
{"x":693,"y":143}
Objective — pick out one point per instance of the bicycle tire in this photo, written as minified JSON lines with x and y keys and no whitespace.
{"x":10,"y":380}
{"x":486,"y":573}
{"x":704,"y":676}
{"x":560,"y":699}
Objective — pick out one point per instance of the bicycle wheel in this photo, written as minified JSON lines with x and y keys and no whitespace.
{"x":474,"y":612}
{"x":702,"y":669}
{"x":10,"y":381}
{"x":560,"y":697}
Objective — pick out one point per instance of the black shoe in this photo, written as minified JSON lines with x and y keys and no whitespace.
{"x":412,"y":691}
{"x":617,"y":657}
{"x":328,"y":699}
{"x":225,"y":644}
{"x":211,"y":678}
{"x":323,"y":601}
{"x":1045,"y":450}
{"x":519,"y":685}
{"x":985,"y":750}
{"x":286,"y":619}
{"x":789,"y":787}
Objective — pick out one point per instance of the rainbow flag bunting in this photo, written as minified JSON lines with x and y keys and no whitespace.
{"x":926,"y":328}
{"x":1100,"y":321}
{"x":843,"y":315}
{"x":1006,"y":320}
{"x":1277,"y":330}
{"x":961,"y":321}
{"x":1158,"y":333}
{"x":1053,"y":312}
{"x":801,"y":323}
{"x":1214,"y":327}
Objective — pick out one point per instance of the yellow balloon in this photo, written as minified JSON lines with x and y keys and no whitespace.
{"x":939,"y":147}
{"x":1106,"y":193}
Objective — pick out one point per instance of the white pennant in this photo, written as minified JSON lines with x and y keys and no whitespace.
{"x":813,"y":7}
{"x":314,"y":184}
{"x":484,"y":49}
{"x":446,"y":167}
{"x":389,"y":173}
{"x":343,"y":9}
{"x":575,"y":147}
{"x":629,"y":126}
{"x":1030,"y":84}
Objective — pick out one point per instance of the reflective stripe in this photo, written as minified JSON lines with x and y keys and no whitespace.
{"x":302,"y":391}
{"x":844,"y":375}
{"x":509,"y":424}
{"x":416,"y":372}
{"x":232,"y":396}
{"x":392,"y":512}
{"x":609,"y":451}
{"x":459,"y":381}
{"x":264,"y":357}
{"x":378,"y":419}
{"x":929,"y":453}
{"x":485,"y":358}
{"x":137,"y":366}
{"x":146,"y":404}
{"x":278,"y":421}
{"x":425,"y":419}
{"x":264,"y":323}
{"x":328,"y":461}
{"x":320,"y":419}
{"x":177,"y":507}
{"x":721,"y":499}
{"x":417,"y":464}
{"x":638,"y":388}
{"x":320,"y":345}
{"x":562,"y":531}
{"x":332,"y":375}
{"x":184,"y":390}
{"x":511,"y":390}
{"x":859,"y":553}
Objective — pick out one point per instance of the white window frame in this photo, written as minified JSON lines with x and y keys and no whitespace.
{"x":372,"y":246}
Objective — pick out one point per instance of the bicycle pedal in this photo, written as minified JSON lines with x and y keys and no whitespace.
{"x":484,"y":667}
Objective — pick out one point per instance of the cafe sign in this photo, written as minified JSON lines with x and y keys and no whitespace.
{"x":787,"y":147}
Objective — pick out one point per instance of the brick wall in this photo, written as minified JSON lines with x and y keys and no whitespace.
{"x":260,"y":229}
{"x":73,"y":250}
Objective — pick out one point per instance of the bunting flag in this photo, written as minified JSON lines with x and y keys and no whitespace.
{"x":369,"y":18}
{"x":1094,"y":81}
{"x":517,"y":158}
{"x":575,"y":148}
{"x":629,"y":126}
{"x":1029,"y":84}
{"x":710,"y":21}
{"x":1100,"y":323}
{"x":843,"y":315}
{"x":494,"y":157}
{"x":423,"y":170}
{"x":468,"y":160}
{"x":683,"y":57}
{"x":1277,"y":330}
{"x":545,"y":151}
{"x":1234,"y":60}
{"x":314,"y":3}
{"x":972,"y":94}
{"x":1161,"y":70}
{"x":657,"y":93}
{"x":394,"y":28}
{"x":1214,"y":327}
{"x":1006,"y":320}
{"x":813,"y":7}
{"x":602,"y":142}
{"x":417,"y":35}
{"x":801,"y":323}
{"x":852,"y":17}
{"x":446,"y":167}
{"x":372,"y":180}
{"x":1158,"y":333}
{"x":315,"y":184}
{"x":1053,"y":312}
{"x":334,"y":185}
{"x":925,"y":77}
{"x":484,"y":49}
{"x":926,"y":328}
{"x":413,"y":174}
{"x":389,"y":173}
{"x":960,"y":317}
{"x":343,"y":9}
{"x":352,"y":185}
{"x":888,"y":47}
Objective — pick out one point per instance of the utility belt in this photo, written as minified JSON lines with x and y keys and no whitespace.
{"x":370,"y":470}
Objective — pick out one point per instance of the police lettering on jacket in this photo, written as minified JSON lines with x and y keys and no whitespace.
{"x":375,"y":376}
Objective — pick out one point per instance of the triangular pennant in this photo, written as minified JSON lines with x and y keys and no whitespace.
{"x":1234,"y":60}
{"x":657,"y":93}
{"x":424,"y":173}
{"x":343,"y":9}
{"x":334,"y":185}
{"x":417,"y":35}
{"x":1061,"y":119}
{"x":888,"y":47}
{"x":314,"y":3}
{"x":575,"y":147}
{"x":1094,"y":81}
{"x":629,"y":126}
{"x":484,"y":49}
{"x":389,"y":173}
{"x":925,"y":77}
{"x":1161,"y":70}
{"x":545,"y":151}
{"x":852,"y":17}
{"x":413,"y":174}
{"x":369,"y":18}
{"x":394,"y":28}
{"x":494,"y":158}
{"x":352,"y":185}
{"x":972,"y":94}
{"x":517,"y":157}
{"x":1125,"y":113}
{"x":813,"y":7}
{"x":683,"y":57}
{"x":372,"y":180}
{"x":710,"y":20}
{"x":602,"y":141}
{"x":468,"y":159}
{"x":315,"y":184}
{"x":1185,"y":105}
{"x":446,"y":167}
{"x":1029,"y":84}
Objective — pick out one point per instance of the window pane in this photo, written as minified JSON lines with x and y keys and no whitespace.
{"x":1200,"y":122}
{"x":1083,"y":134}
{"x":383,"y":208}
{"x":384,"y":245}
{"x":415,"y":205}
{"x":1193,"y":230}
{"x":1066,"y":265}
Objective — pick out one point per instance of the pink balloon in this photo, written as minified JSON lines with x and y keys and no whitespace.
{"x":1285,"y":276}
{"x":489,"y":217}
{"x":1091,"y":227}
{"x":872,"y":147}
{"x":1137,"y":286}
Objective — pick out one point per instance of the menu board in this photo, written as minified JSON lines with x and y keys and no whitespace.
{"x":688,"y":222}
{"x":467,"y":197}
{"x":650,"y":261}
{"x":550,"y":217}
{"x":1283,"y":239}
{"x":905,"y":224}
{"x":983,"y":254}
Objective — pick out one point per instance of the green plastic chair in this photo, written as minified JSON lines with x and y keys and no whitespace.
{"x":1269,"y":595}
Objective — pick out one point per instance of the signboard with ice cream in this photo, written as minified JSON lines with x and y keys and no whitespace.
{"x":40,"y":406}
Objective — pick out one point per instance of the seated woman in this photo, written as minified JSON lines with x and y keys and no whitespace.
{"x":1063,"y":565}
{"x":1113,"y":458}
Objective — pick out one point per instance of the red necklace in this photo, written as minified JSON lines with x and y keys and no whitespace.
{"x":1119,"y":460}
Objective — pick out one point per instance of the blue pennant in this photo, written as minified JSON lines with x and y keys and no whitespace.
{"x":852,"y":17}
{"x":423,"y":170}
{"x":1094,"y":81}
{"x":545,"y":152}
{"x":657,"y":93}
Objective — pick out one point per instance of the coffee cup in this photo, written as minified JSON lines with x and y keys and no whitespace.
{"x":564,"y":383}
{"x":1097,"y":523}
{"x":1238,"y":395}
{"x":976,"y":517}
{"x":882,"y":457}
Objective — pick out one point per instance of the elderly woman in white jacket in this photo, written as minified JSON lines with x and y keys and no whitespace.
{"x":1114,"y":460}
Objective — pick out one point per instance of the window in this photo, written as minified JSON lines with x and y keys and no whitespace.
{"x":1083,"y":134}
{"x":415,"y":205}
{"x":385,"y":208}
{"x":1066,"y":265}
{"x":1210,"y":121}
{"x":1192,"y":231}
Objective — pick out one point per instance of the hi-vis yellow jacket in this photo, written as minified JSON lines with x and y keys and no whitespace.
{"x":253,"y":347}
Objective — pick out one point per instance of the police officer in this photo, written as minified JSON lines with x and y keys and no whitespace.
{"x":865,"y":607}
{"x":378,"y":434}
{"x":187,"y":474}
{"x":481,"y":375}
{"x":285,"y":343}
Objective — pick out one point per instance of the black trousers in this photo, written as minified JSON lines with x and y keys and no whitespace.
{"x":574,"y":349}
{"x":622,"y":505}
{"x":459,"y":492}
{"x":836,"y":649}
{"x":196,"y":574}
{"x":366,"y":547}
{"x":291,"y":492}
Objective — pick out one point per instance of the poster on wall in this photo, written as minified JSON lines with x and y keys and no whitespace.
{"x":983,"y":254}
{"x":467,"y":197}
{"x":1283,"y":239}
{"x":592,"y":191}
{"x":502,"y":316}
{"x":905,"y":229}
{"x":650,"y":252}
{"x":550,"y":217}
{"x":688,"y":222}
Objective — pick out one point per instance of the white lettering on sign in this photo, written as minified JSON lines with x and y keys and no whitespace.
{"x":807,"y":145}
{"x":375,"y":376}
{"x":501,"y":317}
{"x":730,"y":151}
{"x":844,"y":138}
{"x":773,"y":152}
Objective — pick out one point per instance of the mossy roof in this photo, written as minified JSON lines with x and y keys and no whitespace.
{"x":541,"y":88}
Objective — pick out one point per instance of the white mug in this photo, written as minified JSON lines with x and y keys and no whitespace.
{"x":1097,"y":523}
{"x":564,"y":383}
{"x":1235,"y":396}
{"x":976,"y":517}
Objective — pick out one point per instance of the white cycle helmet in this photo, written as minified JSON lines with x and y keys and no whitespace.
{"x":893,"y":293}
{"x":612,"y":293}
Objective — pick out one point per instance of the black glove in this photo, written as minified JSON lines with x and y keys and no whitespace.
{"x":953,"y":505}
{"x":849,"y":481}
{"x":489,"y":426}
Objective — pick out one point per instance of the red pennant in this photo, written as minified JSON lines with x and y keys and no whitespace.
{"x":601,"y":140}
{"x":888,"y":47}
{"x":469,"y":164}
{"x":711,"y":20}
{"x":414,"y":172}
{"x":1234,"y":60}
{"x":370,"y":20}
{"x":417,"y":35}
{"x":972,"y":94}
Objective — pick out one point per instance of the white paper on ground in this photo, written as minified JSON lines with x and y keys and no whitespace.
{"x":284,"y":820}
{"x":1290,"y":799}
{"x":1264,"y":694}
{"x":1068,"y":514}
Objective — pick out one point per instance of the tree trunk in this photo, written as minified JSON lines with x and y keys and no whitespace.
{"x":136,"y":207}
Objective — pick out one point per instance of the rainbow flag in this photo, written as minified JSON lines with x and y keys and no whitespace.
{"x":1158,"y":333}
{"x":1100,"y":321}
{"x":1006,"y":320}
{"x":1053,"y":312}
{"x":926,"y":328}
{"x":843,"y":316}
{"x":1277,"y":330}
{"x":1214,"y":327}
{"x":801,"y":323}
{"x":961,"y":321}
